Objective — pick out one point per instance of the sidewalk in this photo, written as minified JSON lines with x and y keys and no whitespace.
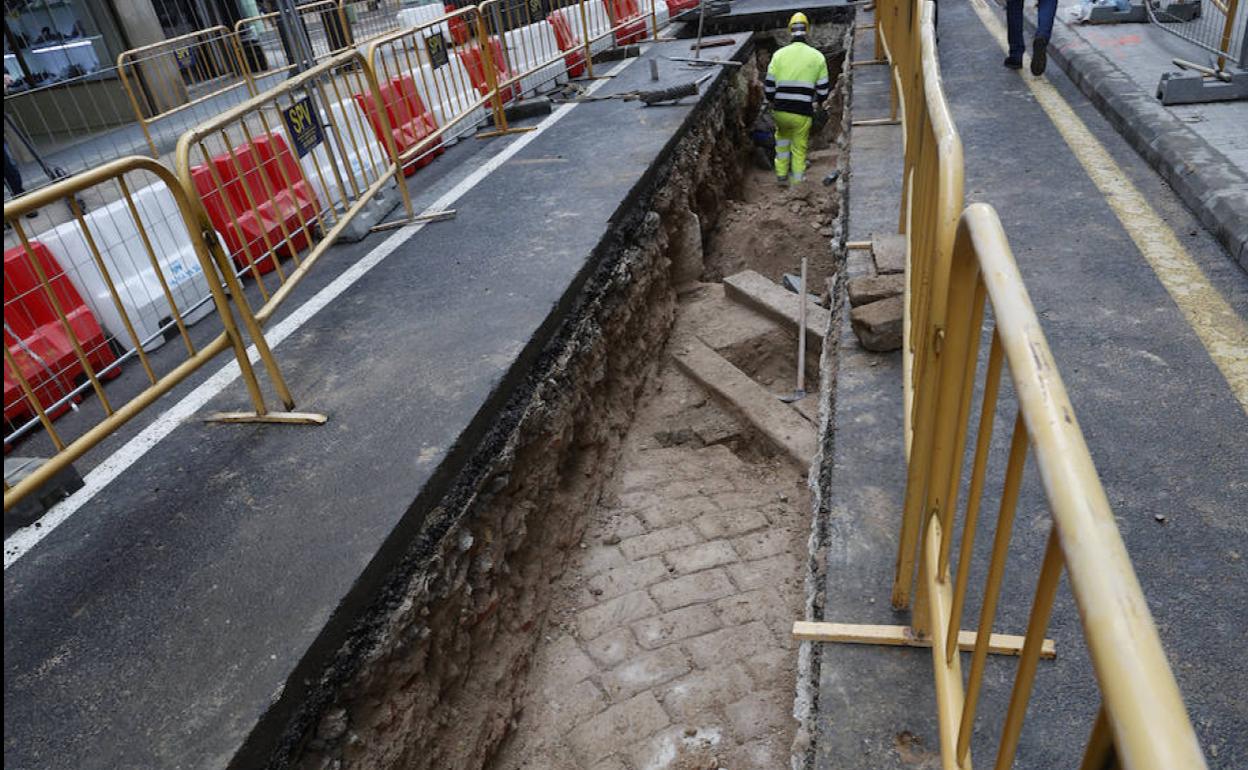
{"x":1163,"y":425}
{"x":1201,"y":150}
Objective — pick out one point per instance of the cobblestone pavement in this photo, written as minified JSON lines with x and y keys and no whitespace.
{"x":670,"y":644}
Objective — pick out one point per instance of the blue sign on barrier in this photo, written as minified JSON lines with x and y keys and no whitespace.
{"x":305,"y":127}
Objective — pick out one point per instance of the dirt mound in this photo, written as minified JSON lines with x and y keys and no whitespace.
{"x":770,"y":228}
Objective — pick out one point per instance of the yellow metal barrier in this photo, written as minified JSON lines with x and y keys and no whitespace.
{"x":455,"y":84}
{"x":257,"y":38}
{"x":284,"y":174}
{"x":65,"y":283}
{"x":531,"y":51}
{"x":179,"y":74}
{"x":957,"y":263}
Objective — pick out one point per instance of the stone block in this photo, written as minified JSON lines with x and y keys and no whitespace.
{"x":618,"y":727}
{"x":702,"y":556}
{"x":596,"y":621}
{"x":613,"y":647}
{"x":889,"y":253}
{"x":729,"y":523}
{"x":657,"y":542}
{"x":878,"y":325}
{"x":730,"y":644}
{"x":675,"y":625}
{"x":620,"y":580}
{"x":698,"y":588}
{"x":701,"y":691}
{"x":866,"y":289}
{"x":645,"y":671}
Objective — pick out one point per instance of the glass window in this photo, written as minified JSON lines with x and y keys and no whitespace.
{"x":48,"y":41}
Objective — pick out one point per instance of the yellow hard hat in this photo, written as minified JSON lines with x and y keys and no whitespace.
{"x":798,"y":23}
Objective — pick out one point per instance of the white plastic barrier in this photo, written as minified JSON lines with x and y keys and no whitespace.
{"x":121,"y":247}
{"x":529,"y":46}
{"x":357,"y":162}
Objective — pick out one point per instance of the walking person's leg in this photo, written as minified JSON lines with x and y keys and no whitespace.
{"x":1046,"y":11}
{"x":12,"y":176}
{"x":801,"y":134}
{"x":1014,"y":26}
{"x":784,"y":145}
{"x":13,"y":180}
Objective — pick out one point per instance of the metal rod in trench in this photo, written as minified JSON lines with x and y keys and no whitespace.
{"x":801,"y":336}
{"x":800,"y":392}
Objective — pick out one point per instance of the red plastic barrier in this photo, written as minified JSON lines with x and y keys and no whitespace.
{"x":460,"y":31}
{"x":37,"y":339}
{"x":470,"y":55}
{"x":256,"y":229}
{"x":680,"y":6}
{"x":568,"y":41}
{"x":622,"y":11}
{"x":410,"y":120}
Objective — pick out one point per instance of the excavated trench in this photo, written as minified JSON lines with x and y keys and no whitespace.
{"x":611,"y":583}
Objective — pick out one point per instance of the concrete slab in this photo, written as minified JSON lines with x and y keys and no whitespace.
{"x":786,"y":429}
{"x":755,"y":291}
{"x":185,"y":614}
{"x":888,"y":251}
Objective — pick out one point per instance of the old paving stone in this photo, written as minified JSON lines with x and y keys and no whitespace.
{"x":702,"y":556}
{"x":697,"y":588}
{"x":865,"y":289}
{"x":613,"y":647}
{"x":596,"y":621}
{"x":645,"y":671}
{"x":617,"y":728}
{"x":657,"y":542}
{"x":878,"y":325}
{"x":675,"y":625}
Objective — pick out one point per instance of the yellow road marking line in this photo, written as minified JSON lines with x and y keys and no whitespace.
{"x":1223,"y":333}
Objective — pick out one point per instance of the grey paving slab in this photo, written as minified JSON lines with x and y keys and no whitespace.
{"x":178,"y":620}
{"x":1163,"y":427}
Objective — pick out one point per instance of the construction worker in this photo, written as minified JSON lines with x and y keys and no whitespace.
{"x":796,"y":85}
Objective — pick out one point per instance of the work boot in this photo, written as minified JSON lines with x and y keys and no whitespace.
{"x":1039,"y":55}
{"x":1012,"y":63}
{"x":782,"y":181}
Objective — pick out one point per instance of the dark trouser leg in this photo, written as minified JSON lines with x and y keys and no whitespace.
{"x":12,"y":177}
{"x":1014,"y":25}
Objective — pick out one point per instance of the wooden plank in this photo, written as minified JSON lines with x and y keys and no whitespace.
{"x":755,"y":291}
{"x":784,"y":427}
{"x":855,"y":633}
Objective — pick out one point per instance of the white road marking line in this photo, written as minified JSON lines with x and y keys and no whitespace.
{"x":22,"y":540}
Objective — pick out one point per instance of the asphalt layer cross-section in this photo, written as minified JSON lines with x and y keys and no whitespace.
{"x":179,"y":614}
{"x":1164,"y":428}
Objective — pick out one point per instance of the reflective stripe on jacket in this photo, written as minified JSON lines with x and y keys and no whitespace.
{"x":796,"y":78}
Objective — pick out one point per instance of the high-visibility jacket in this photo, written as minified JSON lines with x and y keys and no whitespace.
{"x":796,"y":77}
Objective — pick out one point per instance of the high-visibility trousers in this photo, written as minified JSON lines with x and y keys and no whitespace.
{"x":792,"y":131}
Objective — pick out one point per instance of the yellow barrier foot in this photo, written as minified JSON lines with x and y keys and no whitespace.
{"x":288,"y":418}
{"x":904,"y":636}
{"x":505,"y":131}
